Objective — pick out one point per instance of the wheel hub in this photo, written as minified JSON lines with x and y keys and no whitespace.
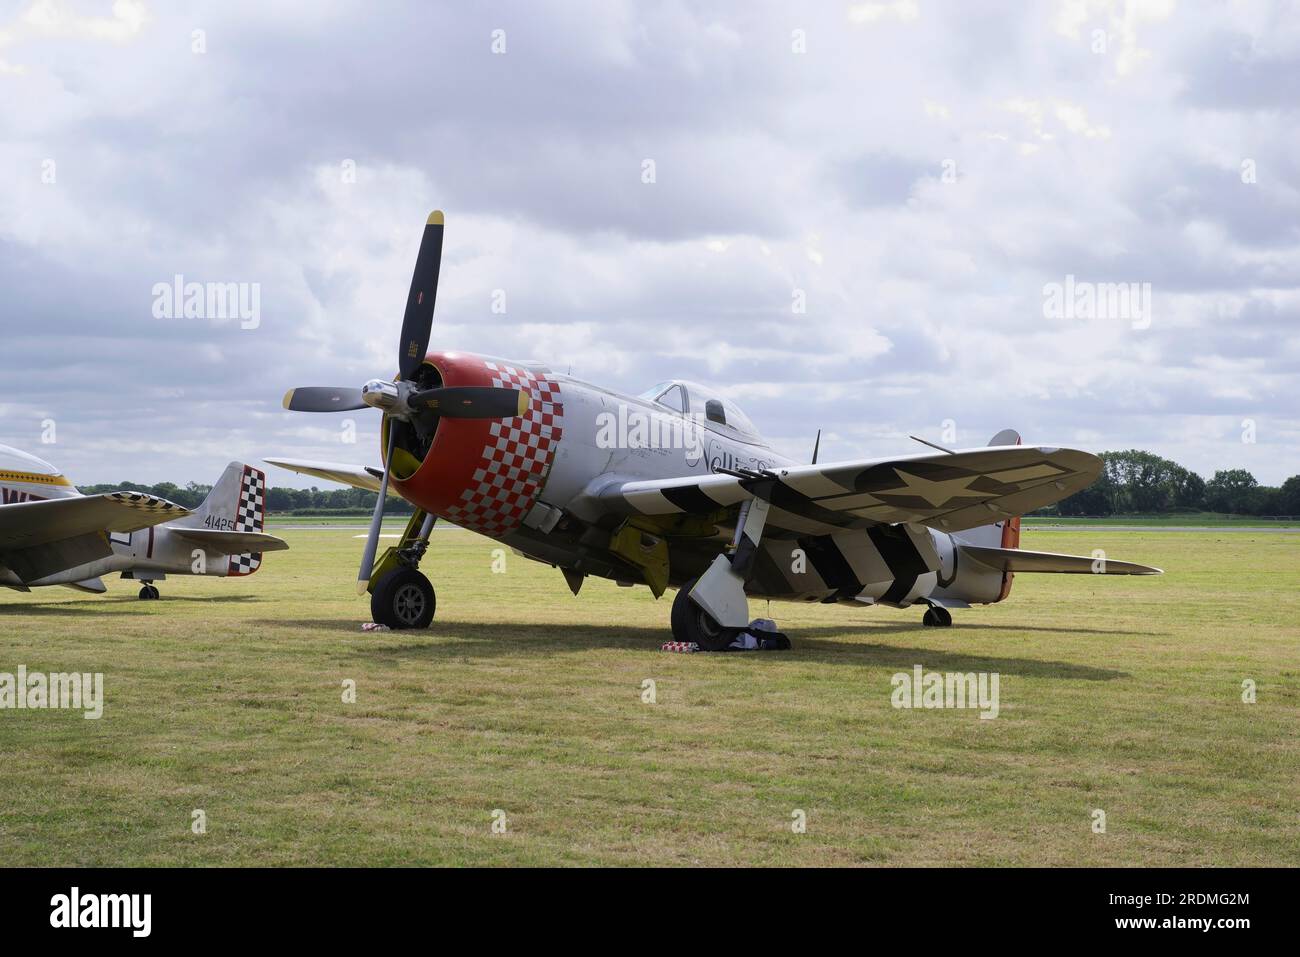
{"x":408,"y":603}
{"x":707,"y":625}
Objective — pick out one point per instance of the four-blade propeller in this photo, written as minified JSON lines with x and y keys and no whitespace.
{"x":403,"y":399}
{"x":316,"y":398}
{"x":471,"y":402}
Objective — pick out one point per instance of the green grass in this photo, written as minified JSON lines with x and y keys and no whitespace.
{"x":1118,"y":694}
{"x":342,"y":518}
{"x":1184,"y":519}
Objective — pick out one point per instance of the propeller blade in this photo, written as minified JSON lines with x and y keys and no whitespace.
{"x":376,"y":519}
{"x":323,"y":398}
{"x":418,"y":321}
{"x":471,"y":402}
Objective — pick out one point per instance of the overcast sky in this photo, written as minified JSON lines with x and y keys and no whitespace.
{"x":915,"y":174}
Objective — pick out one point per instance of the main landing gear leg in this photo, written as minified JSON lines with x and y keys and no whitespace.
{"x":400,"y":594}
{"x":711,"y":610}
{"x":937,"y":616}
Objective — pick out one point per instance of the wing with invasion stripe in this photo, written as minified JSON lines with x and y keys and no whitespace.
{"x":946,"y":491}
{"x":27,"y":524}
{"x":43,"y":537}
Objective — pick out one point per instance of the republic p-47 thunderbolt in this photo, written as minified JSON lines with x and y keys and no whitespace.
{"x":51,"y":534}
{"x":675,"y":488}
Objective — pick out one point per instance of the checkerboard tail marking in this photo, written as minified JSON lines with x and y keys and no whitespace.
{"x":249,"y":514}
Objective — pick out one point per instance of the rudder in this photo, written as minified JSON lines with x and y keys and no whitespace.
{"x":237,"y":503}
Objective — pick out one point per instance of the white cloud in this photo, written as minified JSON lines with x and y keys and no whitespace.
{"x":823,"y":172}
{"x":1075,"y":119}
{"x":1111,"y":27}
{"x":901,"y":10}
{"x":52,"y":18}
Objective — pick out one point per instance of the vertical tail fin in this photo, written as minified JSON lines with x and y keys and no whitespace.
{"x":237,"y":503}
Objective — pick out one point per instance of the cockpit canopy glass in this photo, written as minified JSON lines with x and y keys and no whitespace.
{"x":707,"y":406}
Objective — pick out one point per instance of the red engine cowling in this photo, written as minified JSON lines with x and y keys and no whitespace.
{"x":486,"y":474}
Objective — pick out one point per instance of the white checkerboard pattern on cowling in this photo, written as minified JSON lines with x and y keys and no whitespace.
{"x":517,"y":457}
{"x":248,"y":518}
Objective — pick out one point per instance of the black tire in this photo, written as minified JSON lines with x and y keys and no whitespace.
{"x":403,"y":599}
{"x":148,"y":593}
{"x":690,"y":622}
{"x":936,"y":617}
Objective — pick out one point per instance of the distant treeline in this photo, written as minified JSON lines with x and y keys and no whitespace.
{"x":1132,"y":483}
{"x":1142,"y":483}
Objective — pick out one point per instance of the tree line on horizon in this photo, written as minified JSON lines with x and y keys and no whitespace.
{"x":1134,"y":482}
{"x":286,"y":501}
{"x":1131,"y":483}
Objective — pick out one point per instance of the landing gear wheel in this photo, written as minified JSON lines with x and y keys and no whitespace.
{"x":403,"y":599}
{"x":937,"y":617}
{"x":149,"y":593}
{"x":690,"y":622}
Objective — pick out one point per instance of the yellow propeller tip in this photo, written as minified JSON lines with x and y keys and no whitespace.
{"x":524,"y":402}
{"x":288,"y":397}
{"x":435,"y":218}
{"x":362,"y":586}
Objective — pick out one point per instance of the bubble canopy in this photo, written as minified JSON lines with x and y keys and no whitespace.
{"x":705,"y":405}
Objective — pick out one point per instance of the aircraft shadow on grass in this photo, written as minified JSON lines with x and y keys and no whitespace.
{"x":477,"y":639}
{"x":95,"y":606}
{"x":508,"y":638}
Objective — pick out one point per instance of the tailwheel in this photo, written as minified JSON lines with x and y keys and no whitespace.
{"x":937,"y":617}
{"x":149,"y":593}
{"x":403,"y":599}
{"x":690,"y":622}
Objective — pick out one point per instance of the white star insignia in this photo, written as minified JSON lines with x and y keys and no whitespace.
{"x":938,"y":494}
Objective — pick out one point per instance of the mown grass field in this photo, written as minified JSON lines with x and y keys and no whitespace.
{"x":1122,"y":695}
{"x":1197,"y":520}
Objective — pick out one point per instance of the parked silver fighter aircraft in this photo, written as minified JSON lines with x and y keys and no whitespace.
{"x":51,"y":534}
{"x":677,"y":488}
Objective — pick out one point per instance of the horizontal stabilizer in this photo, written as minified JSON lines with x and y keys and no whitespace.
{"x":229,"y":543}
{"x":1019,"y":560}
